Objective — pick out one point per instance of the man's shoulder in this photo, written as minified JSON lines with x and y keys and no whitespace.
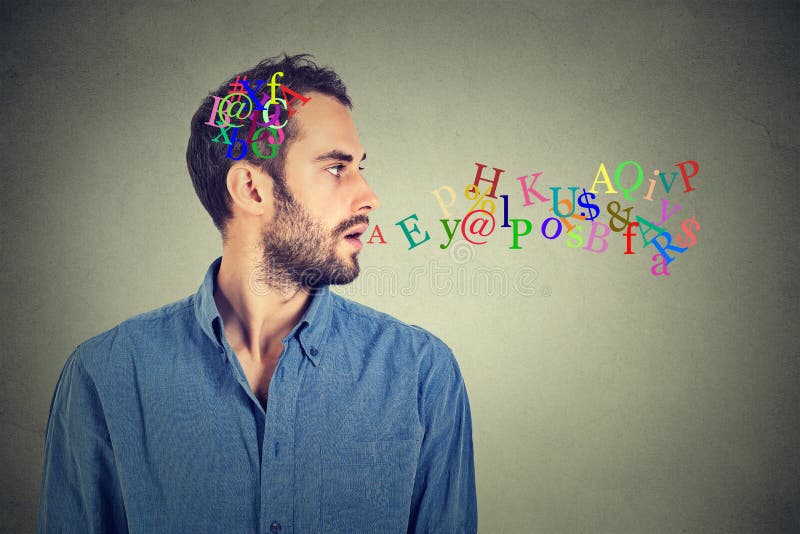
{"x":405,"y":349}
{"x":370,"y":318}
{"x":149,"y":328}
{"x":380,"y":328}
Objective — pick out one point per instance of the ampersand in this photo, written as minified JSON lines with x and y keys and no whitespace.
{"x":616,"y":216}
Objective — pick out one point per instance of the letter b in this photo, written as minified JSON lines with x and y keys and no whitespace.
{"x":234,"y":140}
{"x":593,"y":235}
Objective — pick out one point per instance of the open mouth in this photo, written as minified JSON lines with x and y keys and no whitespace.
{"x":354,"y":236}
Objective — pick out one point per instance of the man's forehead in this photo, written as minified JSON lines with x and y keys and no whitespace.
{"x":325,"y":128}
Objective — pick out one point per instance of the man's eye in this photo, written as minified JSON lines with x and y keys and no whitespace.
{"x":335,"y":170}
{"x":360,"y":168}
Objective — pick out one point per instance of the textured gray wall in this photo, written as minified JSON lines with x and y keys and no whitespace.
{"x":609,"y":400}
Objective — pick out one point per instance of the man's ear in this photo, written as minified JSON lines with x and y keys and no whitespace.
{"x":250,"y":188}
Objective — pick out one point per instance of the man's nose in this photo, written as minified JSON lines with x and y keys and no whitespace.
{"x":366,"y":200}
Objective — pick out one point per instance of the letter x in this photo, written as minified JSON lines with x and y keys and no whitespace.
{"x":223,"y":131}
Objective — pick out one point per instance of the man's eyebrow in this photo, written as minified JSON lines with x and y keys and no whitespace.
{"x":337,"y":155}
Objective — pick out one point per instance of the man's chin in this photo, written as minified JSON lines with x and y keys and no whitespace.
{"x":343,"y":273}
{"x":346,"y":272}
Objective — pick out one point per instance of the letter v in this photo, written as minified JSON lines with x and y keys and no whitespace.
{"x":664,"y":214}
{"x":667,"y":188}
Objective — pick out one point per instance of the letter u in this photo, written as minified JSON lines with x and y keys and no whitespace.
{"x":555,"y":201}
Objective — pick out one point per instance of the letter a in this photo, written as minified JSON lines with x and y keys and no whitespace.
{"x":656,"y":264}
{"x":643,"y":224}
{"x":606,"y":180}
{"x":295,"y":96}
{"x":376,"y":233}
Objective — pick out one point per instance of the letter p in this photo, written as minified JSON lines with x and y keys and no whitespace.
{"x":516,"y":231}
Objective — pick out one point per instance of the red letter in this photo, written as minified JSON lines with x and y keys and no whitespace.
{"x":296,"y":96}
{"x":628,"y":235}
{"x":478,"y":178}
{"x":376,"y":232}
{"x":687,"y":176}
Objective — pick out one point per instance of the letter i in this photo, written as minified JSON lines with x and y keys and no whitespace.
{"x":652,"y":186}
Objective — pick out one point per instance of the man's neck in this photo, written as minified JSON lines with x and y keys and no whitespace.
{"x":255,"y":318}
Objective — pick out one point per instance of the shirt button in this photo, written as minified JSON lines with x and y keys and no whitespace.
{"x":275,"y":527}
{"x":314,"y":351}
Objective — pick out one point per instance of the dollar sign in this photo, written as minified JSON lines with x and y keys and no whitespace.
{"x":590,"y":206}
{"x":687,"y":229}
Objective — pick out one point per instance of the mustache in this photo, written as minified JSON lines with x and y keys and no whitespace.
{"x":349,"y":223}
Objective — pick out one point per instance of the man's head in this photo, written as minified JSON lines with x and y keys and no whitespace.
{"x":299,"y":206}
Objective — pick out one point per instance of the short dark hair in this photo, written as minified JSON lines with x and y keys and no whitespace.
{"x":207,"y":160}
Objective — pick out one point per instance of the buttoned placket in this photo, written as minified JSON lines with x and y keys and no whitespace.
{"x":275,"y":426}
{"x":277,"y":460}
{"x":277,"y":446}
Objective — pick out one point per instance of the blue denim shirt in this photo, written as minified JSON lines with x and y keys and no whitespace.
{"x":153,"y":428}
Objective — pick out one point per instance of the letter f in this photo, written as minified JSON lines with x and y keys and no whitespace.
{"x":628,"y":235}
{"x":272,"y":85}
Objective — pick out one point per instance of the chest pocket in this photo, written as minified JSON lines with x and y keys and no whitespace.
{"x":366,"y":486}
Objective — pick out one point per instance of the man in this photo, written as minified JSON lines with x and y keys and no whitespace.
{"x":264,"y":402}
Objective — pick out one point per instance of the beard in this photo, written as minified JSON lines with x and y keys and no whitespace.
{"x":299,"y":251}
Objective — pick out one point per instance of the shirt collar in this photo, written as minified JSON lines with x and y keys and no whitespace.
{"x":311,"y":330}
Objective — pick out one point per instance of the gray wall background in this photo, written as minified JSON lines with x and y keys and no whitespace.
{"x":607,"y":401}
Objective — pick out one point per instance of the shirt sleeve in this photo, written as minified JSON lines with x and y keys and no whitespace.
{"x":80,"y":489}
{"x":444,"y":499}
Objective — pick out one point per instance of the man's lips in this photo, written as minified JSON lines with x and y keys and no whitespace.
{"x":355,"y":232}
